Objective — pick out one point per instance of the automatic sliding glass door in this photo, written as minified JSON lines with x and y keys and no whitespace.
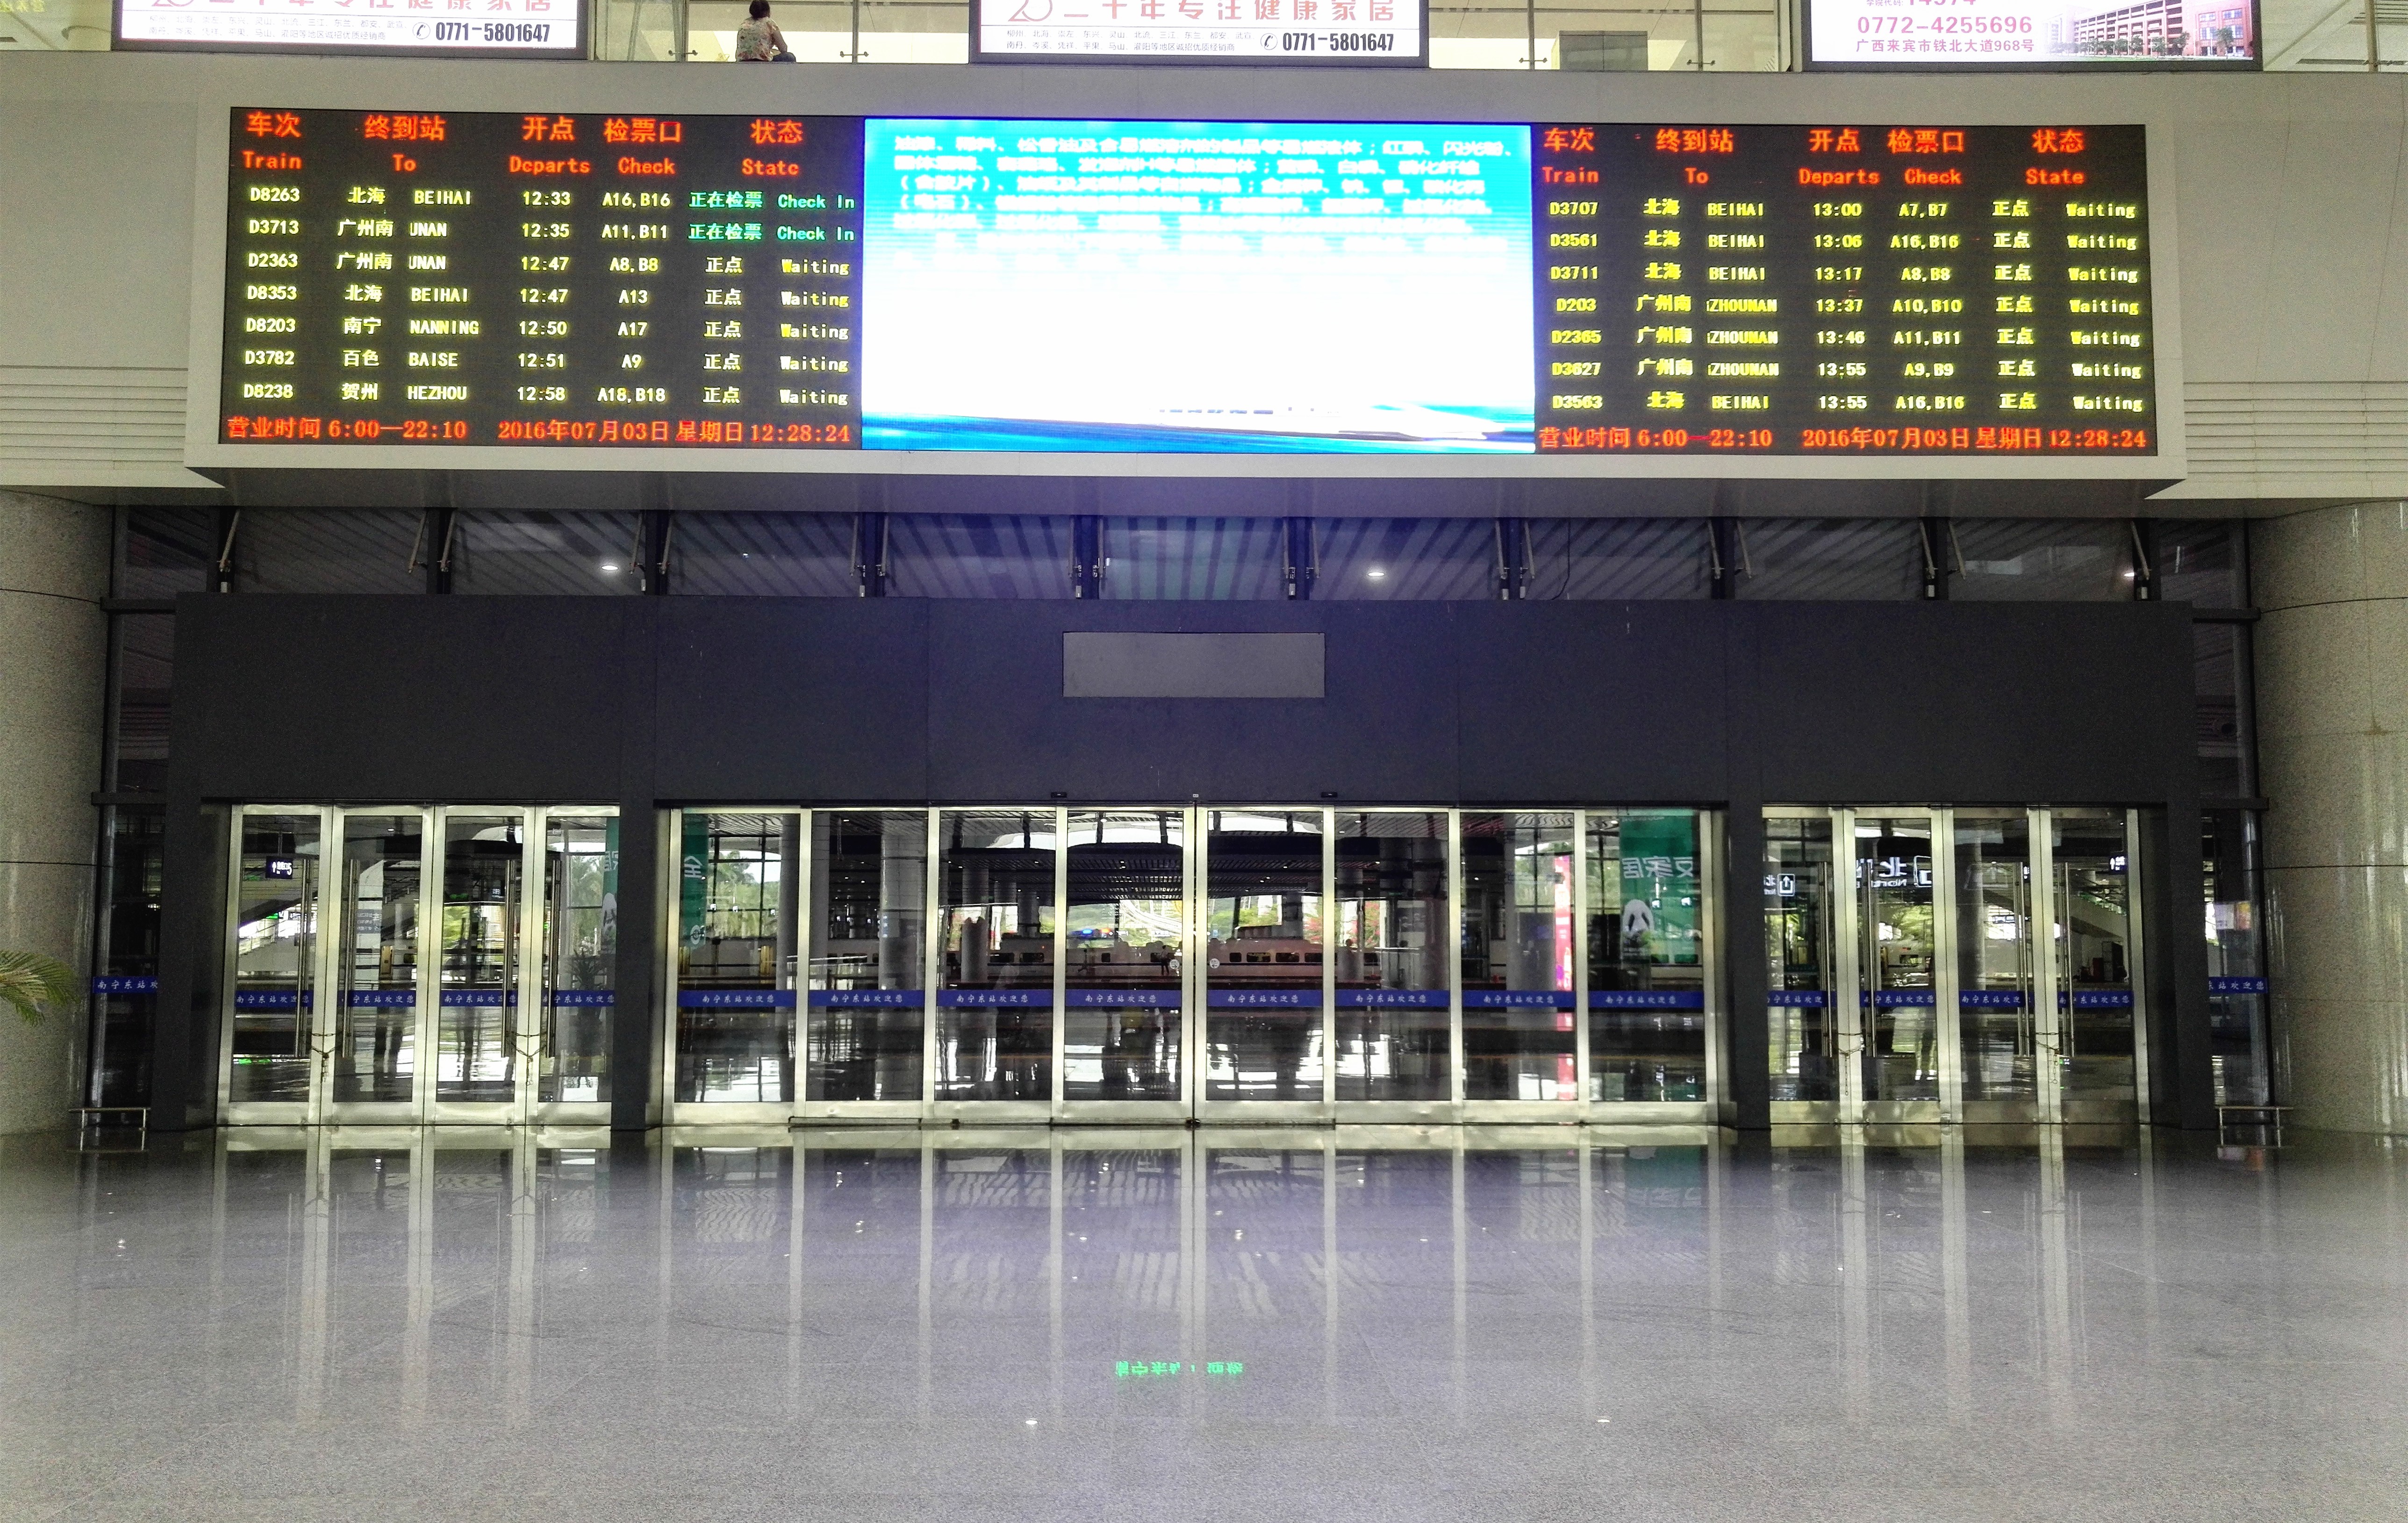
{"x":1802,"y":986}
{"x":477,"y":1052}
{"x":1997,"y":1006}
{"x":1519,"y":946}
{"x":271,"y":1060}
{"x":580,"y":964}
{"x":2097,"y":994}
{"x":377,"y":996}
{"x":1266,"y":1036}
{"x":736,"y":917}
{"x":1125,"y":1016}
{"x":1897,"y":964}
{"x":864,"y":1045}
{"x":1977,"y":965}
{"x":1394,"y":1022}
{"x":1647,"y":1032}
{"x":997,"y":923}
{"x":345,"y":977}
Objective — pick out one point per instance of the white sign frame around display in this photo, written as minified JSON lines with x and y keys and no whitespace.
{"x":434,"y":19}
{"x":1267,"y":34}
{"x":1972,"y":61}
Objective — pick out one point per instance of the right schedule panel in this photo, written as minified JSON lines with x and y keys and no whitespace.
{"x":1842,"y":290}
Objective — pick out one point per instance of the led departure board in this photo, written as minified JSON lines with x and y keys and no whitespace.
{"x":1843,"y":289}
{"x":413,"y":277}
{"x":1562,"y":289}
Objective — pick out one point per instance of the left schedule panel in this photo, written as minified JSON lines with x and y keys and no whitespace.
{"x":529,"y":279}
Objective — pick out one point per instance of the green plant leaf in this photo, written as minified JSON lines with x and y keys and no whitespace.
{"x":30,"y":983}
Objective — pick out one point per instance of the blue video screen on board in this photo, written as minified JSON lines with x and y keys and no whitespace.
{"x":1196,"y":287}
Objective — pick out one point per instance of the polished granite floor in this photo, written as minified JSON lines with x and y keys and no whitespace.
{"x":390,"y":1327}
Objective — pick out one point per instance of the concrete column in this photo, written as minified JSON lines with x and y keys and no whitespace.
{"x":2332,"y":738}
{"x":53,"y":669}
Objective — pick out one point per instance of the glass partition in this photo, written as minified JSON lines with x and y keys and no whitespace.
{"x":835,"y":30}
{"x":868,"y":974}
{"x":1995,"y":1006}
{"x":736,"y":922}
{"x":1394,"y":1030}
{"x":1126,"y":956}
{"x":2090,"y":853}
{"x":1646,"y":961}
{"x":996,"y":924}
{"x":376,"y":1030}
{"x":2236,"y":966}
{"x":1263,"y":955}
{"x":275,"y":957}
{"x":581,"y":938}
{"x":1802,"y":1045}
{"x":1517,"y":947}
{"x":476,"y":1032}
{"x":1895,"y":958}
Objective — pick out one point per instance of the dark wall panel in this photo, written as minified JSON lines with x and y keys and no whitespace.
{"x":768,"y":700}
{"x":875,"y":700}
{"x":1000,"y":729}
{"x":1593,"y":702}
{"x":1940,"y":703}
{"x":402,"y":698}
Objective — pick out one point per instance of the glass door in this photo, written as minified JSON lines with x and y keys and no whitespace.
{"x":478,"y":1061}
{"x":329,"y":1017}
{"x":270,"y":1062}
{"x":1394,"y":1025}
{"x":1897,"y":966}
{"x":997,"y":892}
{"x":580,"y":963}
{"x":1126,"y":964}
{"x":377,"y":998}
{"x":1998,"y":1007}
{"x":737,"y":917}
{"x":1265,"y":1041}
{"x":2090,"y":861}
{"x":1802,"y":1015}
{"x":864,"y":1045}
{"x":1519,"y":874}
{"x":1645,"y":945}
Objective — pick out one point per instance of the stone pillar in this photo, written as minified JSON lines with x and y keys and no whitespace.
{"x":2333,"y":740}
{"x":53,"y":670}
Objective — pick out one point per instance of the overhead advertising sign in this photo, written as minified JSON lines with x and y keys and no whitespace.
{"x":1023,"y":287}
{"x":2031,"y":33}
{"x":1349,"y":32}
{"x":474,"y":28}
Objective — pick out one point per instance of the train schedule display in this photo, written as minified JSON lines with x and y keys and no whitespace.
{"x":1843,"y":289}
{"x":540,"y":278}
{"x":596,"y":281}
